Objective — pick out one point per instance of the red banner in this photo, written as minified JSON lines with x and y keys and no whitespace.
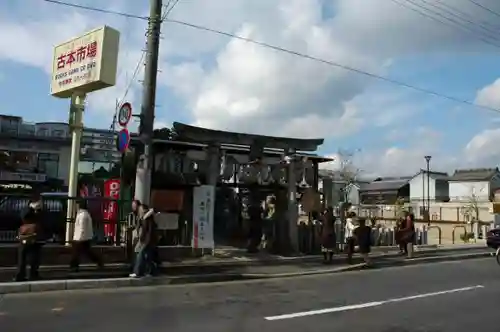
{"x":111,"y":190}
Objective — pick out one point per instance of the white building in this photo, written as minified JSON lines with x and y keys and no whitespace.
{"x":35,"y":152}
{"x":474,"y":184}
{"x":432,"y":186}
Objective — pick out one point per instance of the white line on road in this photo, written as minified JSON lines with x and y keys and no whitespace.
{"x":370,"y":304}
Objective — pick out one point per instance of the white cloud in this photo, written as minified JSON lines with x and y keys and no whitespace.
{"x":28,"y":37}
{"x":489,"y":95}
{"x":254,"y":89}
{"x":234,"y":85}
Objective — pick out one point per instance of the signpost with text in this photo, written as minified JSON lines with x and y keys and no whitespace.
{"x":80,"y":66}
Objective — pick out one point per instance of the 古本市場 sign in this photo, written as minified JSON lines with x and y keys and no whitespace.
{"x":86,"y":63}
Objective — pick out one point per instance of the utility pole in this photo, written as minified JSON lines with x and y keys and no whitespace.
{"x":144,"y":166}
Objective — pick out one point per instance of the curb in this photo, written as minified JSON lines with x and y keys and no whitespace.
{"x":114,"y":283}
{"x":283,"y":260}
{"x":448,"y":258}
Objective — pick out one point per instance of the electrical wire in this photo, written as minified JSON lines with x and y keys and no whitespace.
{"x":96,"y":9}
{"x":484,"y":24}
{"x":334,"y":64}
{"x":445,"y":20}
{"x":485,"y":31}
{"x":295,"y":53}
{"x":168,"y":9}
{"x":489,"y":10}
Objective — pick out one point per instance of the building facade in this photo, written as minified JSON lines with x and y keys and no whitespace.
{"x":476,"y":185}
{"x":437,"y":182}
{"x":36,"y":152}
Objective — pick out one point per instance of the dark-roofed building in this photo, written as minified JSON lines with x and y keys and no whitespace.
{"x":438,"y":190}
{"x":385,"y":190}
{"x":477,"y":184}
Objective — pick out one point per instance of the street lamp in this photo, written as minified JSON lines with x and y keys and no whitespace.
{"x":428,"y":160}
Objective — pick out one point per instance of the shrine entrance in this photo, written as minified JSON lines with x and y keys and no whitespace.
{"x":247,"y":170}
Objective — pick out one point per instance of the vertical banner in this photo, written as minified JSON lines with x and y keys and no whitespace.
{"x":111,"y":190}
{"x":203,"y":217}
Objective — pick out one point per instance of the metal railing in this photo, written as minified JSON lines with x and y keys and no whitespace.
{"x":440,"y":232}
{"x":453,"y":232}
{"x":109,"y":218}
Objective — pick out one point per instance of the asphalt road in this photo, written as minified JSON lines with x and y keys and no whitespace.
{"x":445,"y":297}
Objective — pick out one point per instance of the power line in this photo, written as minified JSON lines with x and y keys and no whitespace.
{"x":451,"y":11}
{"x":95,"y":9}
{"x":443,"y":19}
{"x":295,"y":53}
{"x":333,"y":64}
{"x":483,"y":23}
{"x":491,"y":11}
{"x":169,"y":10}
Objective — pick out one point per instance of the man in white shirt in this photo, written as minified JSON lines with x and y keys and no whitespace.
{"x":349,"y":235}
{"x":82,"y":238}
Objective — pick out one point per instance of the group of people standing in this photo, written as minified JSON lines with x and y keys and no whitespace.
{"x":35,"y":231}
{"x":358,"y":233}
{"x":354,"y":235}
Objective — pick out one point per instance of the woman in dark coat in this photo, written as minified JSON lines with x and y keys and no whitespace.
{"x":328,"y":242}
{"x":400,"y":236}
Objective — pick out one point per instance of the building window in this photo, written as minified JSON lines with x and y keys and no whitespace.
{"x":58,"y":133}
{"x":42,"y":132}
{"x":48,"y":163}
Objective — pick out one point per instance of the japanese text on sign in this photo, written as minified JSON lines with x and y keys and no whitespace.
{"x":69,"y":65}
{"x":86,"y":63}
{"x":203,"y":215}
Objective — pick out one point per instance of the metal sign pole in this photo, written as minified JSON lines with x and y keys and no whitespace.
{"x":76,"y":109}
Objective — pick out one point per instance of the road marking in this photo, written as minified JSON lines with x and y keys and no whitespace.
{"x":370,"y":304}
{"x":58,"y":309}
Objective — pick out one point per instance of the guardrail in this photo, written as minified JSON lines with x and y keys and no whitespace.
{"x":440,"y":232}
{"x":453,"y":232}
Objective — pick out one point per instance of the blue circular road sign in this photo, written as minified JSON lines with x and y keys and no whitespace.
{"x":123,"y":140}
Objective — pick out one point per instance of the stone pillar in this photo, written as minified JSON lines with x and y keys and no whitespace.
{"x":327,"y":192}
{"x":213,"y":164}
{"x":292,"y":211}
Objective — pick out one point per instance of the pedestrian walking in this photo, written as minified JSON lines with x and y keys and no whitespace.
{"x":145,"y":242}
{"x":132,"y":224}
{"x":349,"y":235}
{"x":328,"y":237}
{"x":408,"y":234}
{"x":255,"y":212}
{"x":363,"y":236}
{"x":31,"y":237}
{"x":403,"y":250}
{"x":82,"y":239}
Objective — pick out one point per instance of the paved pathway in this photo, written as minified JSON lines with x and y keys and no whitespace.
{"x":444,"y":297}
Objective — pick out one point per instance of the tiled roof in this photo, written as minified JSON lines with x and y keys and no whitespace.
{"x":478,"y":174}
{"x":385,"y":185}
{"x":434,"y":174}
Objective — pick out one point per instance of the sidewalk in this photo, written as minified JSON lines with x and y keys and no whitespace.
{"x":224,"y":261}
{"x":238,"y":273}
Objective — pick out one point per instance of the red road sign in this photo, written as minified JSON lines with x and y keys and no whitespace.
{"x":124,"y":114}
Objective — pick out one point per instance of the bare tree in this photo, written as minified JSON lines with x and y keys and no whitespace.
{"x":348,"y":171}
{"x":470,"y":210}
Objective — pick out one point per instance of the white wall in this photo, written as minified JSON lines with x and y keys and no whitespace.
{"x":463,"y":191}
{"x":418,"y":187}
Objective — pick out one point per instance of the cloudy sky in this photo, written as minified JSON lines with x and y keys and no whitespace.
{"x":217,"y":82}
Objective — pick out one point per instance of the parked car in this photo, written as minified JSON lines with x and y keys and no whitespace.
{"x":493,"y":238}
